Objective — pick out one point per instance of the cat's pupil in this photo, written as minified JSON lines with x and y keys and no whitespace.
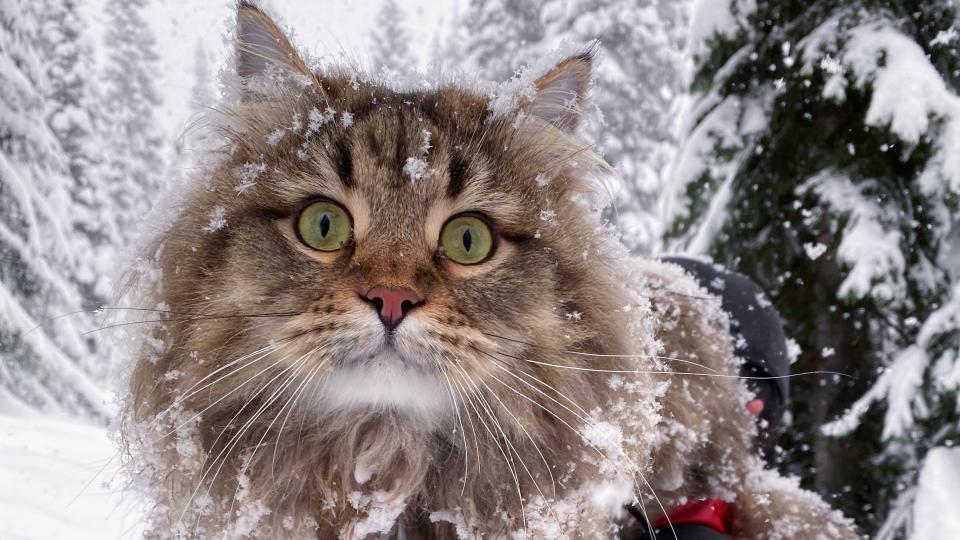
{"x":324,"y":225}
{"x":467,"y":240}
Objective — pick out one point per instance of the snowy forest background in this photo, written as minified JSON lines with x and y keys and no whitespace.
{"x":812,"y":145}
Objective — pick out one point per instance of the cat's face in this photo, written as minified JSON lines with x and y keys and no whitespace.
{"x":387,"y":250}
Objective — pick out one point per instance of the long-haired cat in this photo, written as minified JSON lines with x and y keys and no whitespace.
{"x":398,"y":314}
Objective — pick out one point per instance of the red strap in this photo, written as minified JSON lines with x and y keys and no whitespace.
{"x":712,"y":513}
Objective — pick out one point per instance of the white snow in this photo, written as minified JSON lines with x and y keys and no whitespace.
{"x":218,"y":220}
{"x":415,"y":168}
{"x":935,"y":515}
{"x":814,"y":249}
{"x":712,"y":17}
{"x":61,"y":479}
{"x":871,"y":249}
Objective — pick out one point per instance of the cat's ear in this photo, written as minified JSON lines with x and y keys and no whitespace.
{"x":262,"y":49}
{"x":561,"y":92}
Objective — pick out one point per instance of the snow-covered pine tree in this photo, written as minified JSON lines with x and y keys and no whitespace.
{"x":503,"y":35}
{"x":821,"y":160}
{"x":134,"y":164}
{"x":389,"y":42}
{"x":45,"y":362}
{"x":639,"y":79}
{"x":72,"y":116}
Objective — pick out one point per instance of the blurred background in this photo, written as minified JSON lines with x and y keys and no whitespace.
{"x":812,"y":145}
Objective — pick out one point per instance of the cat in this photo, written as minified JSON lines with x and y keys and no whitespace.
{"x":398,"y":314}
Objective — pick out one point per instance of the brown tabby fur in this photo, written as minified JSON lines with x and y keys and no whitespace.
{"x":498,"y":329}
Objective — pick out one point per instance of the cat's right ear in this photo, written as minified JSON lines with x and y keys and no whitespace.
{"x":561,"y":92}
{"x":262,"y":49}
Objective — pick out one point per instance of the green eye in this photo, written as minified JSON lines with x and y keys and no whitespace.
{"x":324,"y":226}
{"x":466,"y":239}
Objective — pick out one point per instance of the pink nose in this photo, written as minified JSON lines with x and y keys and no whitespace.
{"x":392,"y":303}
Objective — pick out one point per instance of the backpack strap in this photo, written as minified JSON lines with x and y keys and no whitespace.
{"x":705,"y":519}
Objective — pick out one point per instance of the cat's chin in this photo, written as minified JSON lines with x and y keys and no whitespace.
{"x":385,"y":382}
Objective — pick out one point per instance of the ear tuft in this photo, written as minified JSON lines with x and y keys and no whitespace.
{"x":262,"y":47}
{"x":561,"y":92}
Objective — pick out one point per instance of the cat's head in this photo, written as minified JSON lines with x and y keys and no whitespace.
{"x":364,"y":251}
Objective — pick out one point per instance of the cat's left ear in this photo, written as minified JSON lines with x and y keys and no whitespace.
{"x":262,"y":49}
{"x":560,"y":93}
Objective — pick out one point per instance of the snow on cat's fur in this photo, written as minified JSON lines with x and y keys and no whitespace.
{"x":534,"y":394}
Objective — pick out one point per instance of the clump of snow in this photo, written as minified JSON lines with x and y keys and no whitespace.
{"x":381,"y":510}
{"x":814,"y":250}
{"x":415,"y":168}
{"x":276,"y":136}
{"x":218,"y":220}
{"x":935,"y":515}
{"x":871,"y":249}
{"x":457,"y":519}
{"x":713,"y":17}
{"x":908,"y":93}
{"x":364,"y":471}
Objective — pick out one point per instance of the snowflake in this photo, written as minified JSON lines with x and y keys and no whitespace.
{"x":218,"y":220}
{"x":425,"y":142}
{"x":247,"y":175}
{"x":275,"y":136}
{"x":346,"y":119}
{"x":318,"y":119}
{"x":415,"y":168}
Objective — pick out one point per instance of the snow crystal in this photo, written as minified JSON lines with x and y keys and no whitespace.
{"x":415,"y":168}
{"x":827,"y":352}
{"x":425,"y":142}
{"x":275,"y":136}
{"x":218,"y":220}
{"x":247,"y":175}
{"x":547,"y":215}
{"x":346,"y":119}
{"x":316,"y":119}
{"x":542,"y":180}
